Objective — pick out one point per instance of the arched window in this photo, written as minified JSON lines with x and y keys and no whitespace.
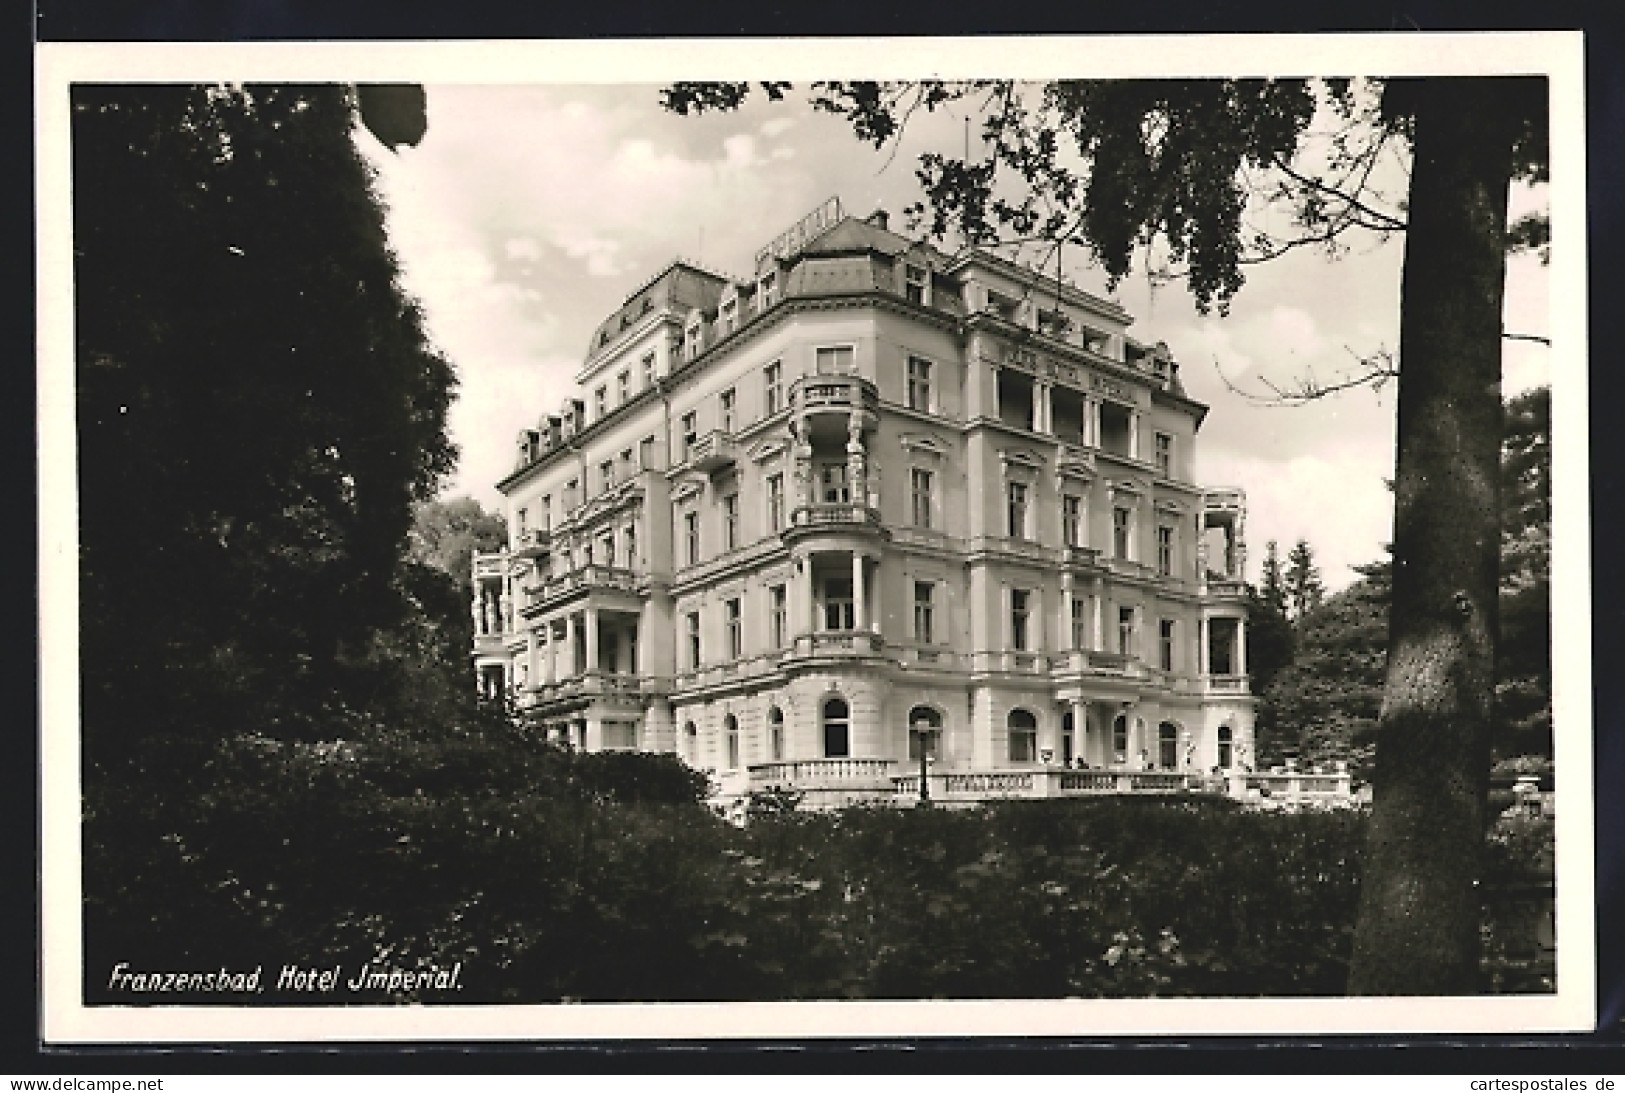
{"x":837,"y":729}
{"x":924,"y":733}
{"x":1023,"y":736}
{"x":1168,"y":745}
{"x":1120,"y":738}
{"x":1227,"y":756}
{"x":730,"y":735}
{"x":691,"y":744}
{"x":775,"y":733}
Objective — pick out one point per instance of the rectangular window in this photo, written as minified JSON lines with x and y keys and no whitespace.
{"x":631,"y":546}
{"x":1165,"y":551}
{"x":835,"y":361}
{"x":923,"y":592}
{"x":600,"y":403}
{"x":730,"y":317}
{"x":920,"y":484}
{"x":608,"y":541}
{"x":919,"y":384}
{"x":730,"y":522}
{"x":1120,"y":516}
{"x":648,"y":370}
{"x":1019,"y":600}
{"x":547,"y":512}
{"x":728,"y":411}
{"x":772,"y":389}
{"x":1072,"y":520}
{"x":1125,"y":631}
{"x":646,"y":453}
{"x":691,"y":535}
{"x":690,"y":433}
{"x":571,"y":498}
{"x":1165,"y":455}
{"x":606,"y":475}
{"x":736,"y":635}
{"x":623,"y":387}
{"x":691,"y":342}
{"x":519,"y":522}
{"x":778,"y":600}
{"x":1017,"y":496}
{"x":832,"y":478}
{"x":1080,"y":623}
{"x":1166,"y":638}
{"x":769,"y":291}
{"x":775,"y":502}
{"x":838,"y":605}
{"x":693,"y":641}
{"x":624,"y":472}
{"x":917,"y":284}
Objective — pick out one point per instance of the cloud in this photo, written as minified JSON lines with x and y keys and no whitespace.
{"x":522,"y":250}
{"x":776,"y":126}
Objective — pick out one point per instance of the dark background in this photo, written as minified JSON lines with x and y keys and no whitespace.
{"x":1601,"y":1052}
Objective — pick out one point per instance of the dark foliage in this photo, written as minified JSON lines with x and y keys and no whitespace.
{"x":258,"y":411}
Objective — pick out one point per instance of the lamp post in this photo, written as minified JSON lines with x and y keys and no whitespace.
{"x":923,"y":734}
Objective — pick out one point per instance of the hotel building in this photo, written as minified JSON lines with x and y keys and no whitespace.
{"x":870,"y":505}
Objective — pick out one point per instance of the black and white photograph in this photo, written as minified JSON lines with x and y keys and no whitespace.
{"x":780,"y":539}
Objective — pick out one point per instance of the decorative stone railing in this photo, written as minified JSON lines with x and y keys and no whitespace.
{"x":1227,"y":684}
{"x":824,"y":774}
{"x":834,"y":393}
{"x":587,"y":578}
{"x":852,"y":516}
{"x":591,"y":685}
{"x":711,"y":451}
{"x":838,"y":643}
{"x":1222,"y":586}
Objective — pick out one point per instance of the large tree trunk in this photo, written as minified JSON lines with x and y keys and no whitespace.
{"x":1418,"y":926}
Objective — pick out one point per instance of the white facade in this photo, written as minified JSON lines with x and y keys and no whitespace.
{"x":874,"y":495}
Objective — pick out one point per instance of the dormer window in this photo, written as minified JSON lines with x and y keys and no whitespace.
{"x":917,"y":285}
{"x":769,"y":289}
{"x":730,"y":316}
{"x":691,"y":340}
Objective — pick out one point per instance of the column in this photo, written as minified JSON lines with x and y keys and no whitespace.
{"x":860,"y":613}
{"x":1201,"y":647}
{"x":1038,"y":407}
{"x":857,"y":478}
{"x":505,"y":610}
{"x":1091,"y":421}
{"x":1134,"y":434}
{"x":478,"y":609}
{"x":550,"y":667}
{"x":570,"y":646}
{"x":801,"y":600}
{"x":1066,"y":614}
{"x":1080,"y":731}
{"x":1097,"y":610}
{"x":592,"y":641}
{"x":1241,"y":646}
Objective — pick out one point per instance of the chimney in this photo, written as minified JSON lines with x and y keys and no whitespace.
{"x":879,"y":219}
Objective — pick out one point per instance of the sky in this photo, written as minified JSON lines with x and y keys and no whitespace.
{"x":528,"y":213}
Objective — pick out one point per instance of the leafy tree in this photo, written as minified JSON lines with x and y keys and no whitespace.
{"x":445,"y":535}
{"x":1303,"y":589}
{"x":1272,"y":582}
{"x":1163,"y":169}
{"x":259,"y":409}
{"x":1324,"y":705}
{"x":1523,"y":687}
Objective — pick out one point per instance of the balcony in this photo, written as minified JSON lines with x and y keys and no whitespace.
{"x":579,"y":582}
{"x":1225,"y":588}
{"x":842,"y":394}
{"x":1225,"y":685}
{"x":712,"y":451}
{"x":531,"y":543}
{"x":490,"y":566}
{"x":837,"y":643}
{"x":1039,"y":782}
{"x":586,"y":688}
{"x":837,"y":518}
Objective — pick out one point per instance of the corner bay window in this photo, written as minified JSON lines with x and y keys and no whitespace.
{"x":833,"y":484}
{"x":838,"y":604}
